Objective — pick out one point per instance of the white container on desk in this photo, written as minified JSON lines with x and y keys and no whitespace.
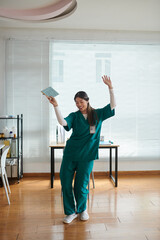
{"x":60,"y":134}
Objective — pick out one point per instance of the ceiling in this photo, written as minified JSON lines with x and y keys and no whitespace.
{"x":126,"y":15}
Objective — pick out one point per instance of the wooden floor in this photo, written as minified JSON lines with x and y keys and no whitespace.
{"x":129,"y":212}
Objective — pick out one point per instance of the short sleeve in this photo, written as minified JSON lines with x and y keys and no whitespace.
{"x":106,"y":112}
{"x":69,"y":119}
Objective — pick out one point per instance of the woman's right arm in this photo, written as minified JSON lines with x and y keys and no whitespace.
{"x":108,"y":82}
{"x":59,"y":116}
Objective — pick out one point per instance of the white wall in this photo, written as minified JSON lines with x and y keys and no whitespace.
{"x":104,"y":36}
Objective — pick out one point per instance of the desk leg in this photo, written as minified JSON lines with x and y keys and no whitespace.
{"x":110,"y":163}
{"x":52,"y":166}
{"x":116,"y":167}
{"x":115,"y":180}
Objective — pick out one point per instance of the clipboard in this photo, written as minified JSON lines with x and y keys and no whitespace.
{"x":49,"y":92}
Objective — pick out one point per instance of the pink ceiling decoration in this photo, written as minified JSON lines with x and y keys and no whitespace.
{"x":52,"y":11}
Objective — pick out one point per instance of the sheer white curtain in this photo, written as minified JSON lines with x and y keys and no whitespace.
{"x":74,"y":66}
{"x":135,"y":73}
{"x":27,"y":73}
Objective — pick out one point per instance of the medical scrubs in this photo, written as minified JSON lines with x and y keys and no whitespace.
{"x":79,"y":154}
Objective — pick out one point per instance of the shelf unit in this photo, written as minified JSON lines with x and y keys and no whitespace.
{"x":19,"y":143}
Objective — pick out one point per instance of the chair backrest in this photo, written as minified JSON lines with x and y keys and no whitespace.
{"x":3,"y":157}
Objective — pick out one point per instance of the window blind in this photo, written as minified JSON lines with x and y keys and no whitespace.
{"x":27,"y":73}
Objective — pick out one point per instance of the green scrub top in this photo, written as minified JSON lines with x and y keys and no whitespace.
{"x":82,"y":145}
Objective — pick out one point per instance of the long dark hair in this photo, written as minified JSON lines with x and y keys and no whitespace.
{"x":91,"y":113}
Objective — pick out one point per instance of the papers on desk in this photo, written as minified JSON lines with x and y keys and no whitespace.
{"x":105,"y":142}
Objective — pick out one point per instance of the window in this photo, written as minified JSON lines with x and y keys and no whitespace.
{"x":103,"y":67}
{"x":57,"y":67}
{"x":135,"y":72}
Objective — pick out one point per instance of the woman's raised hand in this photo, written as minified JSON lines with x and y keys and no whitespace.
{"x":53,"y":101}
{"x":107,"y":81}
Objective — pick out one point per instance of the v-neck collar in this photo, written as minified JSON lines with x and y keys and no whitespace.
{"x":85,"y":116}
{"x":81,"y":114}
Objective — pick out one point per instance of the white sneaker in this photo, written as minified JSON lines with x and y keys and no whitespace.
{"x":70,"y":218}
{"x":84,"y":216}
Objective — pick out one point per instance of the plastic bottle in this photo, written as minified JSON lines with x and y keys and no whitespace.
{"x":6,"y":132}
{"x":10,"y":134}
{"x":14,"y":130}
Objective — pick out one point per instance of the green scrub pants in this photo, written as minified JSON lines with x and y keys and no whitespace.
{"x":83,"y":170}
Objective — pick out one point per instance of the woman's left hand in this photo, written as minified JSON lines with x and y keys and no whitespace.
{"x":107,"y":81}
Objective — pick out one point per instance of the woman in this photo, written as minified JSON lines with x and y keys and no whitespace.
{"x":81,"y":150}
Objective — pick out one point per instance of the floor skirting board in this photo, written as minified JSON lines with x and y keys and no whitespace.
{"x":99,"y":174}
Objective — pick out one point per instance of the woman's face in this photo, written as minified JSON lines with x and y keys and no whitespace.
{"x":81,"y":105}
